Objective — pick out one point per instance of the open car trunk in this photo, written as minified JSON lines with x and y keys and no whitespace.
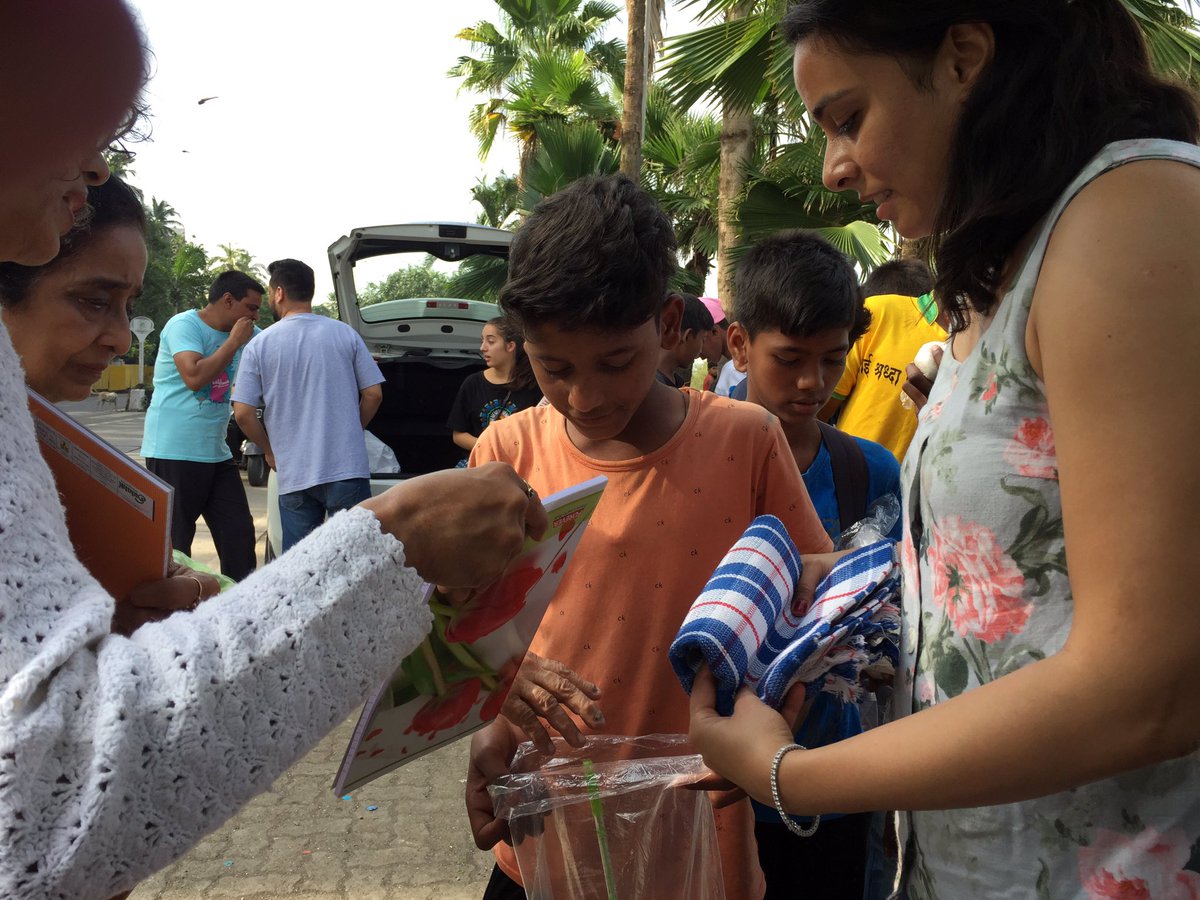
{"x":411,"y":420}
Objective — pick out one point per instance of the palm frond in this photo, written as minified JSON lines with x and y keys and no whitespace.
{"x":727,"y":62}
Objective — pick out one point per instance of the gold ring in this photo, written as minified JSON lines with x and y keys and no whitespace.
{"x":199,"y":592}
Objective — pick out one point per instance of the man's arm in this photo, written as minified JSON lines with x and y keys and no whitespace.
{"x":252,"y":427}
{"x":369,"y":399}
{"x":464,"y":439}
{"x":199,"y":371}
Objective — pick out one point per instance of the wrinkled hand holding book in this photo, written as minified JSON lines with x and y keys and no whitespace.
{"x":742,"y":625}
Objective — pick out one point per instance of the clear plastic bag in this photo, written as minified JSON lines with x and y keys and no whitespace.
{"x":611,"y":821}
{"x":381,"y":459}
{"x":875,"y":526}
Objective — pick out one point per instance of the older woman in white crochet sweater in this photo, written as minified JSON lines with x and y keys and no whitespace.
{"x":117,"y":754}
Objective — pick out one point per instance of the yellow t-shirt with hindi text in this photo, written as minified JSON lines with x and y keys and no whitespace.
{"x":870,"y":387}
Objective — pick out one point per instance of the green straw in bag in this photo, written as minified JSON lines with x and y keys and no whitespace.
{"x":597,"y":805}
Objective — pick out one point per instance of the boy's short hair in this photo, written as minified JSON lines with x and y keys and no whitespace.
{"x":696,"y":316}
{"x":599,"y":254}
{"x":906,"y":277}
{"x":796,"y":283}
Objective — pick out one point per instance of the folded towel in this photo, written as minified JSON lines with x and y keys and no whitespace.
{"x":743,"y":627}
{"x":743,"y":617}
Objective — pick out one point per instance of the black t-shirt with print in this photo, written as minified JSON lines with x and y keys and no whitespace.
{"x":480,"y":403}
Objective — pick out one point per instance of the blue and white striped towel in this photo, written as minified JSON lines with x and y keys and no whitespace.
{"x":743,"y":627}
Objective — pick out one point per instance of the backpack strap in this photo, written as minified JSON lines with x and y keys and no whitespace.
{"x":850,"y":474}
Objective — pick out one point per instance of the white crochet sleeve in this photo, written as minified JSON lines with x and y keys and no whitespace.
{"x":118,"y":754}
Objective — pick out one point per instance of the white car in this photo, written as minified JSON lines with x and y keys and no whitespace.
{"x":424,"y":346}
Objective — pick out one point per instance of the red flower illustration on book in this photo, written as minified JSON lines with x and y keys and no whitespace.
{"x":1146,"y":866}
{"x":492,"y":607}
{"x":440,"y":713}
{"x":1031,"y":450}
{"x":975,"y":581}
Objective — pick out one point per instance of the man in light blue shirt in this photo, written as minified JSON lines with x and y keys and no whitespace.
{"x":318,"y":387}
{"x":183,"y":439}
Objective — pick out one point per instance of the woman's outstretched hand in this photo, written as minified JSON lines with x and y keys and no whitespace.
{"x":461,"y":527}
{"x":739,"y":747}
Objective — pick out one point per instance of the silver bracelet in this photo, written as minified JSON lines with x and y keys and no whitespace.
{"x":787,"y":820}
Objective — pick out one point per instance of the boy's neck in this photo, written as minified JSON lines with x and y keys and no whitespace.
{"x":667,"y":364}
{"x":651,"y":427}
{"x":805,"y":440}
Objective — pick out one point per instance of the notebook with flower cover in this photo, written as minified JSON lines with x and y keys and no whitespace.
{"x":456,"y":681}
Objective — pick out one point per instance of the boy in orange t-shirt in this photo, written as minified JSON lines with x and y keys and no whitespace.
{"x":588,"y":280}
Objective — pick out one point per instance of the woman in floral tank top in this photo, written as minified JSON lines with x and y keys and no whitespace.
{"x":1049,"y":716}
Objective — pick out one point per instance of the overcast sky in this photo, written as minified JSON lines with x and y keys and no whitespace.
{"x":325,"y":118}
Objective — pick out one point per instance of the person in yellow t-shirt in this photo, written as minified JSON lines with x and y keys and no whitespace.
{"x":904,"y":315}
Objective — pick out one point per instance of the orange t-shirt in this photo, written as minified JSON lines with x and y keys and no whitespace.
{"x":665,"y":521}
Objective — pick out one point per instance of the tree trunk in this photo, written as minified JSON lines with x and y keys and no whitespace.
{"x":737,"y":137}
{"x":633,"y":115}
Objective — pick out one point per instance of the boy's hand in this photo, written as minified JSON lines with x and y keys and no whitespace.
{"x":492,"y":750}
{"x":919,"y":384}
{"x":813,"y":568}
{"x":546,"y":689}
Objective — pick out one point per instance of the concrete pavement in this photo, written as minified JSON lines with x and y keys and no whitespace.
{"x":299,"y":840}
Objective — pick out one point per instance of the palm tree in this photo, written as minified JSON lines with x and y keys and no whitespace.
{"x":498,"y":200}
{"x":550,"y":59}
{"x":163,"y":215}
{"x":644,"y":31}
{"x":232,"y":257}
{"x":682,"y":160}
{"x":742,"y":63}
{"x":558,"y":86}
{"x":480,"y":277}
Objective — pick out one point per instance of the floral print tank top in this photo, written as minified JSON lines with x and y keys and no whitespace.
{"x":986,"y":591}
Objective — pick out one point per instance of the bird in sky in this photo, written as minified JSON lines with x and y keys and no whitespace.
{"x":204,"y":100}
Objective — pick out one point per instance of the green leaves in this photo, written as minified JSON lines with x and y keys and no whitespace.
{"x":567,"y":151}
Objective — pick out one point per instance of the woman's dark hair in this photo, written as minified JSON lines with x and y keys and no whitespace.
{"x":599,"y":254}
{"x":522,"y":374}
{"x":110,"y":205}
{"x":1068,"y":77}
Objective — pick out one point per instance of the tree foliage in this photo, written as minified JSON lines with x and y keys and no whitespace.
{"x":412,"y":281}
{"x":744,"y":63}
{"x":546,"y":60}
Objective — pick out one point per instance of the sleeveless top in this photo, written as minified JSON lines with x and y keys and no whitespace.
{"x":986,"y":591}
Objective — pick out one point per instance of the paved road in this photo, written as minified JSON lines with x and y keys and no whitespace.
{"x":299,"y":840}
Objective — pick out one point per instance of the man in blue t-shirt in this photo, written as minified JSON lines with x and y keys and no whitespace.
{"x":183,"y":440}
{"x":319,"y":387}
{"x":798,"y":311}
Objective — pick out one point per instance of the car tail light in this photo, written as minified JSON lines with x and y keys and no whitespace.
{"x":447,"y":304}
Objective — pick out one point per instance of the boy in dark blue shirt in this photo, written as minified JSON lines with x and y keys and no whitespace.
{"x":798,"y":311}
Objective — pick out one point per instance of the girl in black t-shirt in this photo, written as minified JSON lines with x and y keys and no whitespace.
{"x":506,"y":386}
